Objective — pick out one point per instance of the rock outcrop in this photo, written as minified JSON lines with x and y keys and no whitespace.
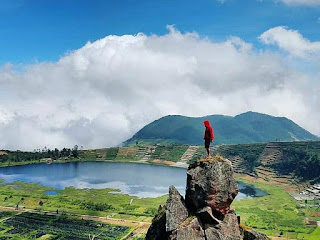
{"x":206,"y":213}
{"x":253,"y":235}
{"x":211,"y":184}
{"x":176,"y":211}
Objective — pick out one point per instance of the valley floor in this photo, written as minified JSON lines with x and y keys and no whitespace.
{"x":277,"y":214}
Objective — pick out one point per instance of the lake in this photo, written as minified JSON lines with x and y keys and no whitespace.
{"x":140,"y":180}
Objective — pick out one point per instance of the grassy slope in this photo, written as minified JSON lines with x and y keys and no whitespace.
{"x":73,"y":200}
{"x":170,"y":153}
{"x":275,"y":213}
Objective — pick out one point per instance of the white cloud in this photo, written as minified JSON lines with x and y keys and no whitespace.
{"x":101,"y":94}
{"x":310,"y":3}
{"x":291,"y":41}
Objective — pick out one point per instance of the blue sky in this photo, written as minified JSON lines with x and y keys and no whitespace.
{"x":77,"y":71}
{"x":34,"y":30}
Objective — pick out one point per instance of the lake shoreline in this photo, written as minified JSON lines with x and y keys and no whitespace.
{"x":125,"y":176}
{"x":83,"y":160}
{"x":289,"y":188}
{"x":88,"y":201}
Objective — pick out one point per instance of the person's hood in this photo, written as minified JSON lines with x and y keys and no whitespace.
{"x":206,"y":123}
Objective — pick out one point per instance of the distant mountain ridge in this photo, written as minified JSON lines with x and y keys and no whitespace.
{"x":249,"y":127}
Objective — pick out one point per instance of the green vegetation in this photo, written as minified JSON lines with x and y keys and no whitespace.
{"x":249,"y":152}
{"x":4,"y":215}
{"x":88,"y":155}
{"x":245,"y":128}
{"x":8,"y":158}
{"x":201,"y":152}
{"x":96,"y":202}
{"x":31,"y":226}
{"x":274,"y":214}
{"x":111,"y":153}
{"x":170,"y":153}
{"x":126,"y":154}
{"x":300,"y":158}
{"x":277,"y":213}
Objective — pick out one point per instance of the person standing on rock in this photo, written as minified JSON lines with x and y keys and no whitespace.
{"x":208,"y":136}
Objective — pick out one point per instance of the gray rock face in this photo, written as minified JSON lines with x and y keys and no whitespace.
{"x":157,"y":230}
{"x":228,"y":229}
{"x":206,"y":214}
{"x":211,"y":184}
{"x":176,"y":211}
{"x":191,"y":230}
{"x":253,"y":235}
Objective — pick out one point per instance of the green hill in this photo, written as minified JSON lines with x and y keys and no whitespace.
{"x":249,"y":127}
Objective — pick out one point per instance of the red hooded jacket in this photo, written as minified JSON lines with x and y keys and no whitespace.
{"x":208,"y":134}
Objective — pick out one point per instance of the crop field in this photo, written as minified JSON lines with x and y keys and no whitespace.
{"x":277,"y":214}
{"x":4,"y":215}
{"x":35,"y":226}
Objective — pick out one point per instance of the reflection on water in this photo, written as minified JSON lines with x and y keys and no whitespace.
{"x":135,"y":179}
{"x":247,"y":191}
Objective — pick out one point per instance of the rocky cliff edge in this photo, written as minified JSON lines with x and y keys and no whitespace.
{"x":205,"y":211}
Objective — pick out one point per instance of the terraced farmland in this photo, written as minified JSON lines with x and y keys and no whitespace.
{"x":170,"y":153}
{"x":284,"y":160}
{"x":126,"y":154}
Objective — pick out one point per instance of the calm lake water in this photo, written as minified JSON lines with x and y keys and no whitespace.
{"x":140,"y":180}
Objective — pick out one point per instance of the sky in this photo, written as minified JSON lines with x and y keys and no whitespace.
{"x":94,"y":72}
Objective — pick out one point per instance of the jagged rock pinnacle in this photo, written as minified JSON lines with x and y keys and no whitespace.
{"x":206,"y":213}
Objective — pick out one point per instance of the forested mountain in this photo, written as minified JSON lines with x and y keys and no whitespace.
{"x":249,"y":127}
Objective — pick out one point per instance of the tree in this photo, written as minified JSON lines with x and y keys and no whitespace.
{"x":75,"y":152}
{"x":3,"y":157}
{"x":56,"y":153}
